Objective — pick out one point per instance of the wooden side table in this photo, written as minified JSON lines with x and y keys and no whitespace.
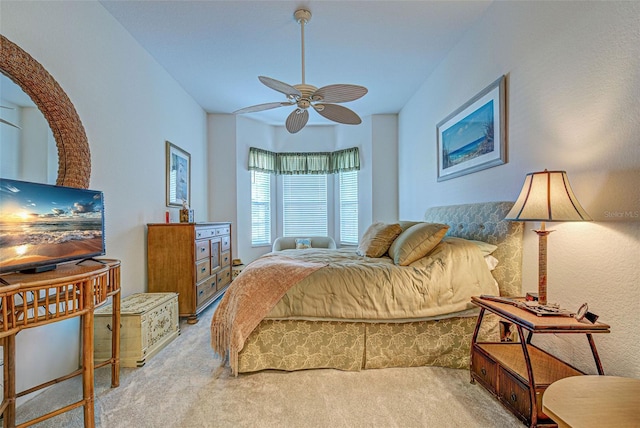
{"x":33,"y":300}
{"x":519,"y":373}
{"x":593,"y":402}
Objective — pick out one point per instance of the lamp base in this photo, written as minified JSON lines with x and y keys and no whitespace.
{"x":542,"y":263}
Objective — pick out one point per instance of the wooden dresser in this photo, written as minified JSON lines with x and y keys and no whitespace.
{"x":191,"y":259}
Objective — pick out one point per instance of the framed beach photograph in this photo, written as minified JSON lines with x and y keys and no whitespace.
{"x":178,"y":176}
{"x":474,"y":137}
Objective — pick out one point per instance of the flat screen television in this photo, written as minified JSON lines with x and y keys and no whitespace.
{"x":42,"y":225}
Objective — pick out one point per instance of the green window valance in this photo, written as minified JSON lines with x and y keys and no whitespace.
{"x":304,"y":163}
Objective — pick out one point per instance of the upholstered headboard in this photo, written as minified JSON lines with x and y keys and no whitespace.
{"x":485,"y":222}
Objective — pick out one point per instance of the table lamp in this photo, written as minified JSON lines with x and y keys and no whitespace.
{"x":546,"y":196}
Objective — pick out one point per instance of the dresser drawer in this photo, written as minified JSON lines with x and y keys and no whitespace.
{"x":203,"y":269}
{"x":205,"y":232}
{"x":485,"y":369}
{"x":206,"y":289}
{"x":225,"y":259}
{"x":514,"y":394}
{"x":224,"y":278}
{"x":202,"y":249}
{"x":223,"y":231}
{"x":225,"y":243}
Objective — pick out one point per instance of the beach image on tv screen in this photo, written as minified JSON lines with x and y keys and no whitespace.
{"x":42,"y":224}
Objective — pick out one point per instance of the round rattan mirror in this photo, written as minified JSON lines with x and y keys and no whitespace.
{"x":74,"y":158}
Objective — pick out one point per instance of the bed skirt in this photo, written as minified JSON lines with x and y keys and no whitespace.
{"x":297,"y":345}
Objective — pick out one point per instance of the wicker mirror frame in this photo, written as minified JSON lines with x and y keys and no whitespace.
{"x":74,"y":158}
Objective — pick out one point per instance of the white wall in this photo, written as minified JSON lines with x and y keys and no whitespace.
{"x":129,"y":106}
{"x":573,"y":87}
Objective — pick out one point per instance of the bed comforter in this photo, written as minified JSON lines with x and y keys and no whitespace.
{"x":355,"y":288}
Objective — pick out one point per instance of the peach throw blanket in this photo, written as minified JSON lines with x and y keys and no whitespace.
{"x":250,"y":298}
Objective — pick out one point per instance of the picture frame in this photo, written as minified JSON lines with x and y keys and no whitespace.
{"x":178,"y":176}
{"x":474,"y":136}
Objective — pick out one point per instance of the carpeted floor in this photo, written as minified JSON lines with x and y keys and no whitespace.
{"x":184,"y":386}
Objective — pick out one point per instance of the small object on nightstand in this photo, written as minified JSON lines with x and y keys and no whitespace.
{"x":531,"y":297}
{"x":583,"y":314}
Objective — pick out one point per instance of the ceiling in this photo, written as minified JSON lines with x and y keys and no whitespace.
{"x":217,"y":49}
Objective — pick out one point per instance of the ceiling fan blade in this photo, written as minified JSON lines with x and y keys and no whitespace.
{"x":339,"y":93}
{"x":9,"y":123}
{"x":279,"y":86}
{"x":338,"y":113}
{"x":260,"y":107}
{"x":297,"y":120}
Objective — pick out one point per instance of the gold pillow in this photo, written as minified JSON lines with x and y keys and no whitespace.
{"x":377,"y":238}
{"x":406,"y":224}
{"x":416,"y":242}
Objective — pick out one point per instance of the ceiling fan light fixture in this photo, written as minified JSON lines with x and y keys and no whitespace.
{"x":304,"y":96}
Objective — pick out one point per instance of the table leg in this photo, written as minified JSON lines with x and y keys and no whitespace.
{"x":474,"y":339}
{"x":532,"y":383}
{"x":115,"y":341}
{"x":87,"y":368}
{"x":9,"y":372}
{"x":594,"y":351}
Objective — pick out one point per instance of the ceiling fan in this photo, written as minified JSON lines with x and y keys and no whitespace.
{"x":304,"y":96}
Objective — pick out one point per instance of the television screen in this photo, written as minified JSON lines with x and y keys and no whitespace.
{"x":42,"y":225}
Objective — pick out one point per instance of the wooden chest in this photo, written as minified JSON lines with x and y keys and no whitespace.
{"x":149,"y":321}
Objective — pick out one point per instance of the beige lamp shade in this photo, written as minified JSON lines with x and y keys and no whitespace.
{"x":547,"y":196}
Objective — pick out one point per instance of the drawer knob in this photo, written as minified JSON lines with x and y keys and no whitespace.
{"x":514,"y":397}
{"x":483,"y":371}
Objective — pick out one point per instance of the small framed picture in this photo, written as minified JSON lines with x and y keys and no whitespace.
{"x":474,"y":137}
{"x":178,"y":176}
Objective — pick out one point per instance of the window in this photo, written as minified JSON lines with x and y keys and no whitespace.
{"x":304,"y":205}
{"x":349,"y":208}
{"x":260,"y":208}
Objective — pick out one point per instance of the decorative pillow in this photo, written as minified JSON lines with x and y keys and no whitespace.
{"x":416,"y":242}
{"x":303,"y":243}
{"x":405,"y":224}
{"x":484,"y":247}
{"x":377,"y":238}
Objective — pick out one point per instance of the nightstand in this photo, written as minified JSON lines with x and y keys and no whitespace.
{"x":518,"y":373}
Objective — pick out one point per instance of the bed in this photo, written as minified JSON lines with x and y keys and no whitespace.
{"x":343,"y":335}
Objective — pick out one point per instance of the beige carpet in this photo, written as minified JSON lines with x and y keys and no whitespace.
{"x":184,"y":386}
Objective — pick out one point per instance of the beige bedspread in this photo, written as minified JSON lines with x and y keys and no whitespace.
{"x":250,"y":297}
{"x":355,"y":288}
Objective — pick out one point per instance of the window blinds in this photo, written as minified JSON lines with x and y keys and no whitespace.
{"x":260,"y":208}
{"x":304,"y":205}
{"x":349,"y":208}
